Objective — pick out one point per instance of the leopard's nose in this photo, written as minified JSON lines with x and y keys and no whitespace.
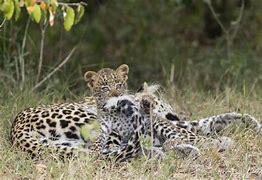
{"x":114,"y":93}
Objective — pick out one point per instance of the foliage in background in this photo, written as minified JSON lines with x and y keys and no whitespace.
{"x":172,"y":42}
{"x":44,"y":10}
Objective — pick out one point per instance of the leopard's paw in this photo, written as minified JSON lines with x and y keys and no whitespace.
{"x":147,"y":102}
{"x":223,"y":143}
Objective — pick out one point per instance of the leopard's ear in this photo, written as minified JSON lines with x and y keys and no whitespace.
{"x":143,"y":88}
{"x":90,"y":78}
{"x":122,"y":71}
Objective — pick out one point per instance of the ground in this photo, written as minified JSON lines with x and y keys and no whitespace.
{"x":242,"y":161}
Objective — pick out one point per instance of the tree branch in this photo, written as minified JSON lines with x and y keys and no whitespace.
{"x":55,"y":70}
{"x":41,"y":53}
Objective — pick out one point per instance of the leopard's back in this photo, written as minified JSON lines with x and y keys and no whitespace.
{"x":54,"y":126}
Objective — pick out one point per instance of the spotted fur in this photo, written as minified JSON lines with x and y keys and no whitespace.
{"x":147,"y":115}
{"x":123,"y":119}
{"x":204,"y":126}
{"x":56,"y":127}
{"x":53,"y":127}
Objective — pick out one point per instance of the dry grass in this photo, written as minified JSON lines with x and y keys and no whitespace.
{"x":242,"y":161}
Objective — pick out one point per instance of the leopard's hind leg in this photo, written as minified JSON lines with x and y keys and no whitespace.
{"x":36,"y":148}
{"x":214,"y":124}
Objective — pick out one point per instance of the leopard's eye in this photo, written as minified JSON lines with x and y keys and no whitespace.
{"x":105,"y":88}
{"x":118,"y":86}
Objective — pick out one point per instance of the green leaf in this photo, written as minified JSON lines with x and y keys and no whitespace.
{"x":36,"y":13}
{"x":80,"y":13}
{"x":8,"y":9}
{"x":17,"y":10}
{"x":54,"y":5}
{"x":90,"y":131}
{"x":146,"y":142}
{"x":28,"y":3}
{"x":53,"y":2}
{"x":69,"y":18}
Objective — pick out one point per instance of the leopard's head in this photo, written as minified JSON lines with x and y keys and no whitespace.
{"x":150,"y":101}
{"x":107,"y":83}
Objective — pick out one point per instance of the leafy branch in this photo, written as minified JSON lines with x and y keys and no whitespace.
{"x":55,"y":69}
{"x":43,"y":10}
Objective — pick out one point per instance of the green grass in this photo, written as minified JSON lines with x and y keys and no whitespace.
{"x":242,"y":161}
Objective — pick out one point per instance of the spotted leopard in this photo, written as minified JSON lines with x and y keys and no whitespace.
{"x":35,"y":129}
{"x":145,"y":118}
{"x":125,"y":118}
{"x":204,"y":126}
{"x":141,"y":124}
{"x":53,"y":127}
{"x":123,"y":121}
{"x":57,"y":127}
{"x":163,"y":114}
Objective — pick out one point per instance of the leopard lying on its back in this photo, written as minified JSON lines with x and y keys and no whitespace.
{"x":160,"y":112}
{"x":205,"y":126}
{"x":143,"y":116}
{"x":125,"y":118}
